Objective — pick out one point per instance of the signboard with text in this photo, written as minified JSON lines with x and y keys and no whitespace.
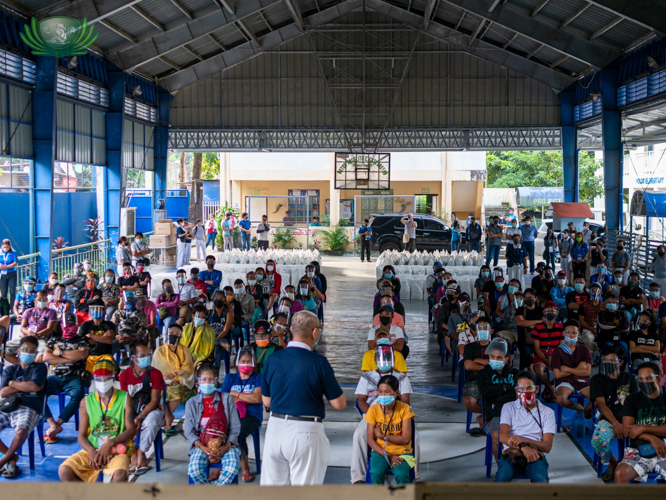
{"x":370,"y":171}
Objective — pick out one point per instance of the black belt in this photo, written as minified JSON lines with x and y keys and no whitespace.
{"x":299,"y":419}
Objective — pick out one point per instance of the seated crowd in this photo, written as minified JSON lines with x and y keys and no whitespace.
{"x":127,"y":363}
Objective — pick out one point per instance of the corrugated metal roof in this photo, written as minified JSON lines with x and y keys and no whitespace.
{"x":163,"y":12}
{"x":133,"y":24}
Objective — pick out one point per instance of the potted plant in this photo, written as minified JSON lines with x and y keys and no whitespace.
{"x":283,"y":238}
{"x":334,"y":241}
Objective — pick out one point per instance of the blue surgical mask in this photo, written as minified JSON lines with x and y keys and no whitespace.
{"x":28,"y":288}
{"x":570,"y":340}
{"x":611,"y":307}
{"x":483,"y":335}
{"x":496,"y":364}
{"x":199,"y":321}
{"x":579,"y":287}
{"x":304,"y":291}
{"x":384,"y":366}
{"x":485,"y":274}
{"x":251,"y":282}
{"x":130,"y":306}
{"x":513,"y":289}
{"x":600,"y":270}
{"x":499,"y":286}
{"x":385,"y":400}
{"x":382,"y":341}
{"x":595,"y":296}
{"x":108,"y":279}
{"x":97,"y":314}
{"x":27,"y":357}
{"x":618,"y":280}
{"x":388,"y":276}
{"x":654,"y":294}
{"x":207,"y":388}
{"x":143,"y":362}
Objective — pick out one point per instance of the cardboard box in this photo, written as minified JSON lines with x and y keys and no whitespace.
{"x":165,"y":220}
{"x":162,"y":240}
{"x":164,"y":228}
{"x":171,"y":251}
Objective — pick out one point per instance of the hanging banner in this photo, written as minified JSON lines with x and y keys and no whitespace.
{"x":362,"y":171}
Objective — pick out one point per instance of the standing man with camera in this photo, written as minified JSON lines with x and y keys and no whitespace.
{"x":409,"y":238}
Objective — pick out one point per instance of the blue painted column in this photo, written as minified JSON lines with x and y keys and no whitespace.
{"x":569,"y":147}
{"x":113,"y":173}
{"x":161,"y":147}
{"x":611,"y":121}
{"x":44,"y":144}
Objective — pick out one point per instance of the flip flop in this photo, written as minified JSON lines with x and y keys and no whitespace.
{"x":49,"y":440}
{"x":247,"y":478}
{"x":608,"y":476}
{"x":171,"y":432}
{"x":476,"y":432}
{"x":141,"y":470}
{"x":11,"y":471}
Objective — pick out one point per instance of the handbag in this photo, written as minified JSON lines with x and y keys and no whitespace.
{"x":10,"y":404}
{"x":405,"y":238}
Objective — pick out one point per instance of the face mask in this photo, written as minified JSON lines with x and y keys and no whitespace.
{"x":513,"y":226}
{"x":27,"y":357}
{"x":516,"y":242}
{"x":304,"y":291}
{"x":108,"y":279}
{"x":496,"y":364}
{"x":28,"y":288}
{"x":69,"y":332}
{"x":290,"y":296}
{"x":127,"y":274}
{"x":270,"y":268}
{"x":103,"y":387}
{"x":199,"y":321}
{"x":240,"y":291}
{"x":485,"y":274}
{"x":661,"y":254}
{"x":260,"y":277}
{"x":382,"y":341}
{"x":464,"y":309}
{"x":549,"y":276}
{"x":139,"y":269}
{"x":181,"y":281}
{"x":130,"y":306}
{"x":595,"y":296}
{"x":384,"y":366}
{"x":618,"y":280}
{"x":633,"y":283}
{"x":138,"y":240}
{"x":246,"y":369}
{"x":41,"y":305}
{"x":648,"y":388}
{"x":210,"y":265}
{"x":194,"y":279}
{"x":579,"y":287}
{"x":528,"y":302}
{"x":513,"y":289}
{"x":527,"y":399}
{"x":620,"y":248}
{"x":384,"y":320}
{"x":499,"y":285}
{"x":53,"y":281}
{"x":483,"y":335}
{"x":251,"y":282}
{"x":496,"y":274}
{"x":611,"y":307}
{"x":140,"y":304}
{"x":97,"y":314}
{"x":519,"y":302}
{"x":284,"y":308}
{"x":310,"y":274}
{"x":58,"y":294}
{"x":143,"y":362}
{"x":550,"y":316}
{"x":388,"y":276}
{"x":173,"y":339}
{"x":600,"y":270}
{"x":168,"y":289}
{"x":561,"y":282}
{"x":644,"y":324}
{"x":654,"y":294}
{"x":77,"y":272}
{"x":207,"y":388}
{"x":579,"y":240}
{"x":385,"y":400}
{"x":87,"y":267}
{"x":610,"y":369}
{"x":570,"y":341}
{"x":262,"y":343}
{"x":527,"y":223}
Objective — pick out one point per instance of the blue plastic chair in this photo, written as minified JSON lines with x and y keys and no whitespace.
{"x":389,"y":472}
{"x":454,"y":366}
{"x":61,"y":405}
{"x":31,"y":444}
{"x":462,"y":377}
{"x":159,"y":447}
{"x":579,"y":398}
{"x":469,"y":421}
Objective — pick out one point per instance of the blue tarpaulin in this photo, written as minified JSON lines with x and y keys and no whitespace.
{"x":540,"y":196}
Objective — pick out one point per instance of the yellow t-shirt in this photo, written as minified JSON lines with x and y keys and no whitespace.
{"x":369,"y":364}
{"x":401,"y":412}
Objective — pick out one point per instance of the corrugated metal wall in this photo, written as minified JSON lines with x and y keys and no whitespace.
{"x":15,"y":105}
{"x":138,"y":145}
{"x":444,"y":87}
{"x":81,"y":134}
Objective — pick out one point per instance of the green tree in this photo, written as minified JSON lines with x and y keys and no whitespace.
{"x":512,"y":169}
{"x":210,"y":167}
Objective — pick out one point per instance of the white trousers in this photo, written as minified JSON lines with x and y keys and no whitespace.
{"x":149,"y":429}
{"x":201,"y":250}
{"x":564,"y":266}
{"x":515,"y":273}
{"x":295,"y":453}
{"x":359,"y":457}
{"x":182,"y":255}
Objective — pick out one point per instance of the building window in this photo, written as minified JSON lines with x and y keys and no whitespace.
{"x":14,"y":173}
{"x":71,"y":177}
{"x":298,"y":208}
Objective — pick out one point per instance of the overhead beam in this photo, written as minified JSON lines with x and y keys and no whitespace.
{"x":484,"y":50}
{"x":219,"y":44}
{"x":93,"y":10}
{"x":573,"y":16}
{"x":540,"y":32}
{"x":647,"y":13}
{"x":493,"y":5}
{"x":427,"y":16}
{"x":537,"y":49}
{"x":605,"y":28}
{"x":198,"y":56}
{"x":248,"y":31}
{"x":118,"y":31}
{"x":249,"y":50}
{"x":170,"y":63}
{"x":510,"y":41}
{"x":538,"y":8}
{"x":295,"y":13}
{"x":476,"y":31}
{"x":161,"y":44}
{"x":227,"y":5}
{"x":148,"y":18}
{"x":559,"y":61}
{"x":182,"y":8}
{"x":640,"y":41}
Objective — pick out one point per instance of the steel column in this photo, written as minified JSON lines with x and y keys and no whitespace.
{"x":44,"y":142}
{"x":161,"y":146}
{"x":569,"y":147}
{"x":113,"y":173}
{"x":611,"y":122}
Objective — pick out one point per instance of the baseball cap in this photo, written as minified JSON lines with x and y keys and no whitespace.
{"x":550,"y":305}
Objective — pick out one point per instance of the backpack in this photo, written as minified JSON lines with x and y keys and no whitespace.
{"x":474,"y":232}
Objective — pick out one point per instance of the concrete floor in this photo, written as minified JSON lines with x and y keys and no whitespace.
{"x":351,"y":288}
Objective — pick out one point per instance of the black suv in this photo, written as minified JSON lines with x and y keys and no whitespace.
{"x":387,"y":230}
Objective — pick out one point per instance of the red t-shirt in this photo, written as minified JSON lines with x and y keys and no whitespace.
{"x":208,"y":410}
{"x":549,"y":338}
{"x":199,"y":285}
{"x":132,"y":384}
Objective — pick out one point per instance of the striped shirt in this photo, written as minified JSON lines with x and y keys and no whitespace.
{"x":549,"y":338}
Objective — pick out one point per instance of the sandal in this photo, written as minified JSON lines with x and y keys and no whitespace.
{"x":247,"y":478}
{"x":608,"y":476}
{"x":50,"y":440}
{"x":141,"y":470}
{"x":11,"y":471}
{"x":171,"y":432}
{"x":477,"y":432}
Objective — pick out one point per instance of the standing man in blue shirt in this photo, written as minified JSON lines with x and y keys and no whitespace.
{"x":246,"y":232}
{"x":365,"y":232}
{"x":211,"y":276}
{"x":295,"y":380}
{"x":529,"y":234}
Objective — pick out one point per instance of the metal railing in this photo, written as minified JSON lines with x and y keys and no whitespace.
{"x":210,"y":208}
{"x":63,"y":259}
{"x":27,"y":266}
{"x":642,"y":252}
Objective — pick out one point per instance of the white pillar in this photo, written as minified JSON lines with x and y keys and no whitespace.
{"x":335,"y":194}
{"x":225,"y":179}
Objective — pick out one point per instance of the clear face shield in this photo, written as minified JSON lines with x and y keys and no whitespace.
{"x":384,"y":357}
